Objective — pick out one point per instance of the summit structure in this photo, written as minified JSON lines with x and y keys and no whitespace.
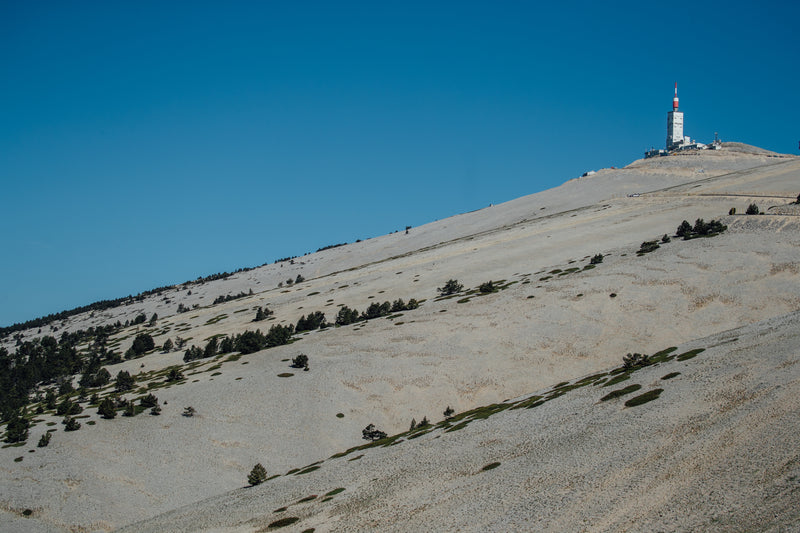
{"x":675,"y":138}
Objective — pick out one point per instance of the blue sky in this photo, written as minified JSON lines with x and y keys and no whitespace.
{"x":148,"y":143}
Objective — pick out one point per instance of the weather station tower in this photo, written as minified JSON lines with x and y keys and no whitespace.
{"x":675,"y":124}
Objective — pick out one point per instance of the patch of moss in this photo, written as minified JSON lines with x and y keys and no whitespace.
{"x":617,"y":379}
{"x":283,"y":522}
{"x":663,"y":355}
{"x":621,"y":392}
{"x":644,"y":398}
{"x":690,"y":354}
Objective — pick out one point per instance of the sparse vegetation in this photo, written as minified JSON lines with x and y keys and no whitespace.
{"x":596,"y":259}
{"x":70,"y":424}
{"x":647,"y":247}
{"x":451,"y":287}
{"x":752,"y":209}
{"x":44,"y":440}
{"x":632,"y":360}
{"x":301,"y":361}
{"x":644,"y":398}
{"x":257,"y":475}
{"x":487,"y":287}
{"x":107,"y":409}
{"x":371,"y":433}
{"x":124,"y":381}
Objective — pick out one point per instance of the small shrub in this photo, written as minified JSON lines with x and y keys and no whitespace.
{"x":448,"y":412}
{"x":70,"y":424}
{"x":647,"y":247}
{"x":124,"y":381}
{"x":487,"y":287}
{"x":257,"y":475}
{"x":174,"y":374}
{"x":665,"y":239}
{"x":372,"y":433}
{"x":635,"y":359}
{"x":107,"y":409}
{"x":451,"y":287}
{"x":148,"y":401}
{"x":44,"y":440}
{"x":752,"y":209}
{"x":732,"y":211}
{"x":189,"y":411}
{"x":300,"y":361}
{"x":596,"y":260}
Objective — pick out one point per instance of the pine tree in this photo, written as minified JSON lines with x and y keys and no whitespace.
{"x":257,"y":475}
{"x":107,"y":409}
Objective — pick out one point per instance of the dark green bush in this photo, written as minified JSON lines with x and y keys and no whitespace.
{"x":487,"y":287}
{"x":347,"y":316}
{"x":314,"y":321}
{"x":451,"y":287}
{"x":17,"y":428}
{"x":70,"y":424}
{"x":107,"y":409}
{"x":124,"y":381}
{"x":372,"y":433}
{"x":752,"y":209}
{"x":257,"y":475}
{"x":596,"y":260}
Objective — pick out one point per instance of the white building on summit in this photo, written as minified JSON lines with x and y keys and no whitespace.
{"x":675,"y":138}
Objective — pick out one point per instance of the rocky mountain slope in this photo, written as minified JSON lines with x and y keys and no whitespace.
{"x":571,"y":463}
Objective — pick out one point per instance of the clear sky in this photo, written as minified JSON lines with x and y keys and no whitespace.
{"x":148,"y":143}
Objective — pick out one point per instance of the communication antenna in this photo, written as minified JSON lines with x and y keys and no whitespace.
{"x":675,"y":98}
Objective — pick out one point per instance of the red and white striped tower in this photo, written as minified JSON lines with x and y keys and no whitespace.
{"x":674,"y":124}
{"x":675,"y":98}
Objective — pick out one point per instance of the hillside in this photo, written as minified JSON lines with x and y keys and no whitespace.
{"x":555,"y":319}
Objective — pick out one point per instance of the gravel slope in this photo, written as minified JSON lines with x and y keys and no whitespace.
{"x":549,"y":325}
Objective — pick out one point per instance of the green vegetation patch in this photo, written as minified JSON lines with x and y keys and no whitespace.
{"x":644,"y":398}
{"x":621,"y":392}
{"x":671,"y":375}
{"x":690,"y":354}
{"x":307,"y":499}
{"x":490,"y":466}
{"x":334,"y":492}
{"x":283,"y":522}
{"x":307,"y":470}
{"x":663,"y":355}
{"x":216,"y":319}
{"x":280,"y":509}
{"x":285,"y":375}
{"x":617,"y":379}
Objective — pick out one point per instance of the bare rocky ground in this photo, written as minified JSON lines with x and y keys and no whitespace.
{"x":715,"y":451}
